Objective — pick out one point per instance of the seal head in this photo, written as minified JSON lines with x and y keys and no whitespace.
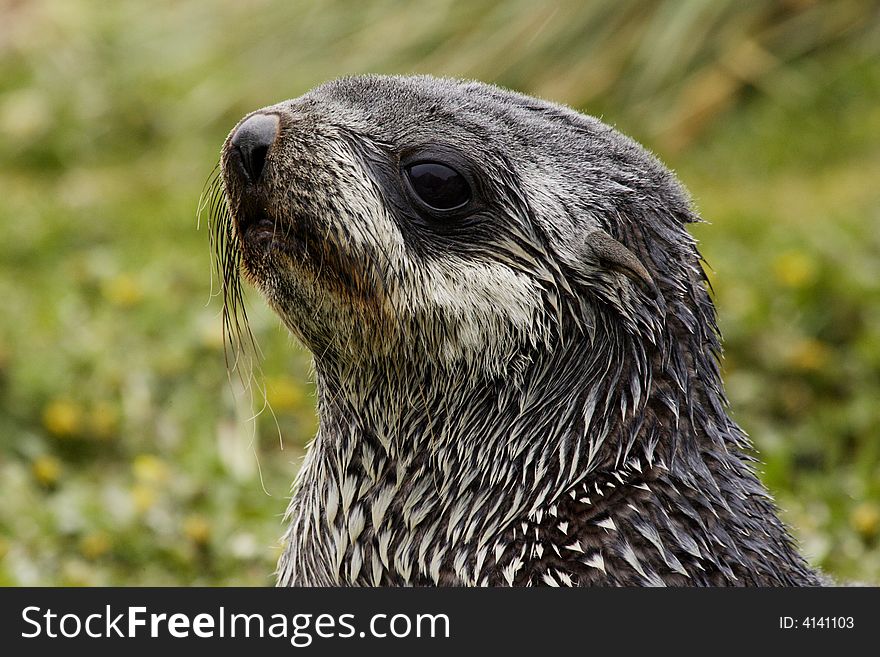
{"x":515,"y":351}
{"x":337,"y":234}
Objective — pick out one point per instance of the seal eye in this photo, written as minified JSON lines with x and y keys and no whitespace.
{"x":438,"y":186}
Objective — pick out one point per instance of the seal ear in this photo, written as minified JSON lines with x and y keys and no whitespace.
{"x":613,"y":255}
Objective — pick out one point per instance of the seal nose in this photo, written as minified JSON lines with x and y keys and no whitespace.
{"x":252,"y":141}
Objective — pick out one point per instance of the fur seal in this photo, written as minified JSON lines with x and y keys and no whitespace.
{"x":515,"y":352}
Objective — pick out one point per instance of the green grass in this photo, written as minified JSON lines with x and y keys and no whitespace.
{"x":128,"y":454}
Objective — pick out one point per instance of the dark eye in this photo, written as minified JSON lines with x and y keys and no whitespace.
{"x":438,"y":186}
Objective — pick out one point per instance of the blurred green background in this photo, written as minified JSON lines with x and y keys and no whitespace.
{"x":129,"y":456}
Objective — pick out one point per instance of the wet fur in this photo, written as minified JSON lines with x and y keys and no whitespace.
{"x":531,"y":397}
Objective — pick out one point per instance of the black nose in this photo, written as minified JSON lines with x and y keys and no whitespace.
{"x":252,"y":140}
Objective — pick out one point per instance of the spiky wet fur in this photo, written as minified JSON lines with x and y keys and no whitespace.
{"x":497,"y":406}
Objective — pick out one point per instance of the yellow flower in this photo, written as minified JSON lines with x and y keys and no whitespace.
{"x":197,"y":529}
{"x":62,"y":418}
{"x":865,"y":519}
{"x":94,"y":545}
{"x":809,"y":354}
{"x":103,"y":421}
{"x":149,"y":469}
{"x":144,"y":497}
{"x":46,"y":469}
{"x":123,"y":291}
{"x":795,"y":269}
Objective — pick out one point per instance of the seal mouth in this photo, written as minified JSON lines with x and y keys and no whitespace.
{"x":249,"y":220}
{"x":256,"y":227}
{"x":265,"y":242}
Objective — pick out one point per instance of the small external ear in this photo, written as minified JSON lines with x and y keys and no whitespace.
{"x":614,"y":255}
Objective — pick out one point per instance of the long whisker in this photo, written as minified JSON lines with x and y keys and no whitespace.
{"x":241,"y":350}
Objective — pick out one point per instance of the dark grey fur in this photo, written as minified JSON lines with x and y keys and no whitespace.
{"x":529,"y":397}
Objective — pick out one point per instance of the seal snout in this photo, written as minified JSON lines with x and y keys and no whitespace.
{"x":252,"y":141}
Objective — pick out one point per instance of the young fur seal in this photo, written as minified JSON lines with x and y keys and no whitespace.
{"x":515,"y":352}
